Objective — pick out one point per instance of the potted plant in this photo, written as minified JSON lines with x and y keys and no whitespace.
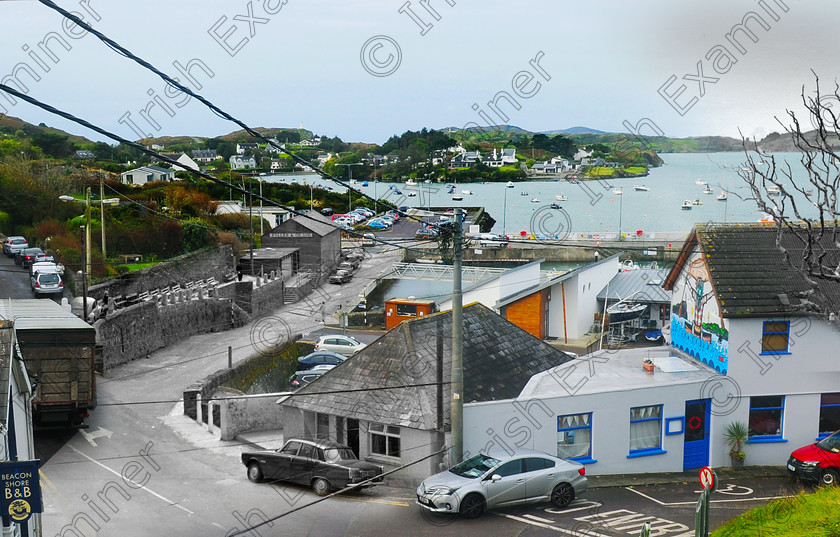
{"x":736,"y":435}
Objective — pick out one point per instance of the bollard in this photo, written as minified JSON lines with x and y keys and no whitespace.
{"x":230,"y":357}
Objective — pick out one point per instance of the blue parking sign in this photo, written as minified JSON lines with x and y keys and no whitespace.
{"x":21,"y":494}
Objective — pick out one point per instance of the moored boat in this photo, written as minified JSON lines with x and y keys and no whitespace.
{"x":722,"y":196}
{"x":686,"y":205}
{"x":561,"y":197}
{"x":641,"y":188}
{"x":509,"y":184}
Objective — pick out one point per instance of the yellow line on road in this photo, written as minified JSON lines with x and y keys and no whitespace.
{"x":384,"y":502}
{"x":49,"y":483}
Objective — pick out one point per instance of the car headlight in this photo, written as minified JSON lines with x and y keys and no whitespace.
{"x":441,"y":491}
{"x":810,"y":463}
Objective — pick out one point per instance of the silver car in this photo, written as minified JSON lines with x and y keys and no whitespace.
{"x":345,"y":345}
{"x":484,"y":482}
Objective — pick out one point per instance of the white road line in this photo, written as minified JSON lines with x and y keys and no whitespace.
{"x":147,"y":489}
{"x":588,"y":533}
{"x":694,"y":502}
{"x":538,"y":519}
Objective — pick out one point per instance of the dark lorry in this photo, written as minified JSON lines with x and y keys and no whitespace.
{"x":58,"y":349}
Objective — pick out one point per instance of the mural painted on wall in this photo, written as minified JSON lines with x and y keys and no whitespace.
{"x":697,"y":327}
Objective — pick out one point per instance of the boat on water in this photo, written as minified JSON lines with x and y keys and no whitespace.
{"x":555,"y":206}
{"x":708,"y":190}
{"x":412,"y":194}
{"x":641,"y":188}
{"x":427,"y":181}
{"x":687,"y":205}
{"x":809,"y":192}
{"x":701,"y":182}
{"x":523,"y":193}
{"x":722,"y":196}
{"x":398,"y":191}
{"x":509,"y":184}
{"x":697,"y":202}
{"x":617,"y":191}
{"x":364,"y":183}
{"x":628,"y":264}
{"x":560,"y":197}
{"x":410,"y":182}
{"x":457,"y":197}
{"x":535,"y":200}
{"x":467,"y":192}
{"x":774,"y":190}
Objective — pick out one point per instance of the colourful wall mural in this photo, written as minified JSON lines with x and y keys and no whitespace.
{"x":696,"y":325}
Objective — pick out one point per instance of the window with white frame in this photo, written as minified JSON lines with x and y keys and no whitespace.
{"x":384,"y":440}
{"x":829,"y":413}
{"x":574,"y":436}
{"x":645,"y":428}
{"x":766,"y":413}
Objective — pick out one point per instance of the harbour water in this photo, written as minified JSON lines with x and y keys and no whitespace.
{"x":596,"y":206}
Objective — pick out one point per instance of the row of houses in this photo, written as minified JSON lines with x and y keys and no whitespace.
{"x":748,"y":343}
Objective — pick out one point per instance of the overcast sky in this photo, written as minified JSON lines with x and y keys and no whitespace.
{"x":363,"y":71}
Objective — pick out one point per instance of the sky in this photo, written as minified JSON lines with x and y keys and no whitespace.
{"x":368,"y":69}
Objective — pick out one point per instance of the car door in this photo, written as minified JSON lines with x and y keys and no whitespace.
{"x":510,"y":488}
{"x":304,"y":464}
{"x":279,"y":466}
{"x":541,"y":476}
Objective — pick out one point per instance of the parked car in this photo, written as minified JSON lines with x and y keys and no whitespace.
{"x":323,"y":465}
{"x":305,"y":376}
{"x":341,"y":276}
{"x":326,"y":211}
{"x":345,"y":345}
{"x":818,"y":462}
{"x":378,"y":223}
{"x":46,"y":283}
{"x":349,"y":264}
{"x":27,"y":256}
{"x":357,"y":218}
{"x":426,"y":233}
{"x":319,"y":358}
{"x":365,"y":211}
{"x":368,"y":239}
{"x":394,"y":214}
{"x":13,"y":244}
{"x":487,"y":481}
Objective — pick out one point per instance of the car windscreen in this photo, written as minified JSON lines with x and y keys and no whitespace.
{"x":830,"y":443}
{"x":339,"y":454}
{"x":475,"y":466}
{"x":48,"y":278}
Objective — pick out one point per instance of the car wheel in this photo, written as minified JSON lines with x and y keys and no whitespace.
{"x":829,"y":477}
{"x":472,"y":506}
{"x":562,"y":495}
{"x":255,"y":472}
{"x":321,"y":486}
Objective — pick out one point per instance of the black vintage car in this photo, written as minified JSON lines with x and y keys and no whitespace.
{"x":322,"y":464}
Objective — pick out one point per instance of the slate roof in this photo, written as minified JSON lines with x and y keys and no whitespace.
{"x":315,"y":222}
{"x":499,"y":360}
{"x":750,"y":275}
{"x":625,"y":284}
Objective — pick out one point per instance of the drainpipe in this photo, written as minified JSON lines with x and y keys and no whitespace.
{"x":563,"y":293}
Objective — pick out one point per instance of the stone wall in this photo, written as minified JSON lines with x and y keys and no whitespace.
{"x":136,"y":331}
{"x":242,"y":413}
{"x":268,"y":296}
{"x":216,"y":262}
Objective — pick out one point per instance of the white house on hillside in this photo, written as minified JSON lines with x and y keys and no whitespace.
{"x":146,"y":174}
{"x":238,"y":162}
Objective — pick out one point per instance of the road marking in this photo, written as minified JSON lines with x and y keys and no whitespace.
{"x":538,"y":519}
{"x":577,"y":505}
{"x":554,"y":528}
{"x":374,"y":500}
{"x":693,"y":502}
{"x":730,"y":489}
{"x":48,"y":482}
{"x":95,"y":434}
{"x":147,"y":489}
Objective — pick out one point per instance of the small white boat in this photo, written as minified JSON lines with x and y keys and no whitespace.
{"x":535,"y":200}
{"x":708,"y":190}
{"x":410,"y":182}
{"x":466,"y":192}
{"x":722,"y":196}
{"x":412,"y":194}
{"x":774,"y":190}
{"x":687,"y":205}
{"x":523,"y":193}
{"x":560,"y":197}
{"x":457,"y":197}
{"x":427,"y":181}
{"x":700,"y":182}
{"x":809,"y":192}
{"x":617,"y":191}
{"x":509,"y":184}
{"x":641,"y":188}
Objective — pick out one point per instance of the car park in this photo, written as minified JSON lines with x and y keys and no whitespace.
{"x":305,"y":376}
{"x":357,"y":218}
{"x":341,"y":276}
{"x":346,"y":345}
{"x":393,"y":214}
{"x":426,"y":233}
{"x":14,"y":244}
{"x":323,"y":465}
{"x":818,"y":462}
{"x":365,"y":211}
{"x":498,"y":479}
{"x":319,"y":358}
{"x":378,"y":223}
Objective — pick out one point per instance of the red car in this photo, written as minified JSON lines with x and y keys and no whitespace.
{"x":818,"y":462}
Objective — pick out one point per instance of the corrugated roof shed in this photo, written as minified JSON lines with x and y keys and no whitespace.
{"x":646,"y":283}
{"x":499,"y":360}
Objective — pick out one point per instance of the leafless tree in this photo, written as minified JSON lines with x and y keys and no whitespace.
{"x":803,"y":202}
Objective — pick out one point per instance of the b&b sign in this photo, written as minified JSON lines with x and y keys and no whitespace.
{"x":21,"y":494}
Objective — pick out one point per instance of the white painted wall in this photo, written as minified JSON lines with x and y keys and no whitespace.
{"x":581,"y":292}
{"x":489,"y":293}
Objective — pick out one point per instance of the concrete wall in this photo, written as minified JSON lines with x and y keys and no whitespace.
{"x":216,"y":262}
{"x":581,"y":303}
{"x":533,"y":425}
{"x":242,"y":413}
{"x":136,"y":331}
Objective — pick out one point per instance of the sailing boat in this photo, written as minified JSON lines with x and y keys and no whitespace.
{"x":625,"y":310}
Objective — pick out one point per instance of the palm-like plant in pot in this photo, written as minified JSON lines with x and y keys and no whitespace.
{"x":737,"y":433}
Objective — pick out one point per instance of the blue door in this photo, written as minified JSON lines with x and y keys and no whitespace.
{"x":696,"y":448}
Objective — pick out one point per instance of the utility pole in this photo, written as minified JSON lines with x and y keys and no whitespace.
{"x":102,"y":210}
{"x":457,"y":403}
{"x":251,"y":219}
{"x":87,"y":237}
{"x":84,"y":272}
{"x":349,"y":185}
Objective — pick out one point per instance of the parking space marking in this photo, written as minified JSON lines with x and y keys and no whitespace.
{"x":554,"y":528}
{"x":538,"y":519}
{"x":577,"y":505}
{"x":693,"y":502}
{"x":730,"y":489}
